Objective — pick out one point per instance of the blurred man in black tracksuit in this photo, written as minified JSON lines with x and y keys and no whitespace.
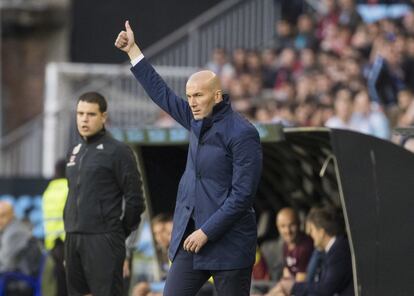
{"x":102,"y":173}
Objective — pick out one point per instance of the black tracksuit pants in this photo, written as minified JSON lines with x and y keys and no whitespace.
{"x":94,"y":263}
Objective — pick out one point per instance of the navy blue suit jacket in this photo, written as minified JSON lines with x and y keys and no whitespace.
{"x":219,"y":183}
{"x":336,"y":274}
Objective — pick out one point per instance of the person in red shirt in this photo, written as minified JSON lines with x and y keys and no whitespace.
{"x":297,"y":250}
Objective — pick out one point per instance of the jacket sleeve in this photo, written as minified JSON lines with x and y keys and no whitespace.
{"x":161,"y":94}
{"x":247,"y":167}
{"x":129,"y":180}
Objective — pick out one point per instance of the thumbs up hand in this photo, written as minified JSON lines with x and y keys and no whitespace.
{"x":126,"y":42}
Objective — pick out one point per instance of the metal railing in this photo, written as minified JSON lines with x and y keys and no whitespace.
{"x":231,"y":24}
{"x":20,"y":151}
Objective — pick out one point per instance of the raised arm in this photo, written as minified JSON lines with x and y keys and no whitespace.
{"x":153,"y":84}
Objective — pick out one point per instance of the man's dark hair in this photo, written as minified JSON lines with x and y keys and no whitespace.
{"x":94,"y":97}
{"x":162,"y":218}
{"x":327,"y":218}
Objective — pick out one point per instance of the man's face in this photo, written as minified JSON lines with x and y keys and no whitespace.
{"x":90,"y":120}
{"x":158,"y":229}
{"x":318,"y":236}
{"x":168,"y":230}
{"x":288,"y":227}
{"x":201,"y":99}
{"x":161,"y":234}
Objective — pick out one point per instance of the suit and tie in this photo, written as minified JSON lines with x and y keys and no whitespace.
{"x":335,"y":277}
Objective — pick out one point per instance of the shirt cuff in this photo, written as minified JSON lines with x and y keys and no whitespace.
{"x":137,"y":60}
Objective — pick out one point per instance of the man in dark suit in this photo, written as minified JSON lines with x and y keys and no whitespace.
{"x":214,"y":228}
{"x":335,"y":276}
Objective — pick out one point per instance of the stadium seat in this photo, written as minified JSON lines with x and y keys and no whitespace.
{"x":35,"y":282}
{"x":23,"y":203}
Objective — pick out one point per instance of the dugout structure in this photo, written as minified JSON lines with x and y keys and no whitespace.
{"x":369,"y":178}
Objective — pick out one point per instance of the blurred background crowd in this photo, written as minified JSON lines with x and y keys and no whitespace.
{"x":326,"y":68}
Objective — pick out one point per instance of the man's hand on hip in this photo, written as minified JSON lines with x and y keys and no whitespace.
{"x":195,"y":241}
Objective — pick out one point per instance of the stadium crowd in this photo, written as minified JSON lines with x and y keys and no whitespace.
{"x":326,"y":68}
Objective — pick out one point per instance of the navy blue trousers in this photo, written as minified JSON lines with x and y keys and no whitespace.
{"x":183,"y":280}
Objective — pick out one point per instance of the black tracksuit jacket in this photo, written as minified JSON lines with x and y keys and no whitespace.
{"x":102,"y":171}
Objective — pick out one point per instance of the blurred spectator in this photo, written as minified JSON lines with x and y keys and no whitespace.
{"x":237,"y":90}
{"x":162,"y":229}
{"x":255,"y":88}
{"x":284,"y":114}
{"x":284,"y":35}
{"x":305,"y":111}
{"x":405,"y":98}
{"x":305,"y":87}
{"x":328,"y":17}
{"x":297,"y":250}
{"x":19,"y":250}
{"x":285,"y":92}
{"x":305,"y":37}
{"x":53,"y":203}
{"x":381,"y":76}
{"x":221,"y":66}
{"x":343,"y":106}
{"x":336,"y":39}
{"x":287,"y":66}
{"x":322,"y":113}
{"x":262,"y":114}
{"x":322,"y":87}
{"x":348,"y":15}
{"x":269,"y":64}
{"x":362,"y":41}
{"x":239,"y":61}
{"x":408,"y":22}
{"x":406,"y":108}
{"x":335,"y":277}
{"x":254,"y":63}
{"x":369,"y":117}
{"x":307,"y":60}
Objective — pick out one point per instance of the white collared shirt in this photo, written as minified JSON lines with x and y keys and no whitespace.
{"x":330,"y":244}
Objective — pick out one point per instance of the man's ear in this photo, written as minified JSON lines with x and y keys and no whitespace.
{"x":218,"y":96}
{"x":105,"y":116}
